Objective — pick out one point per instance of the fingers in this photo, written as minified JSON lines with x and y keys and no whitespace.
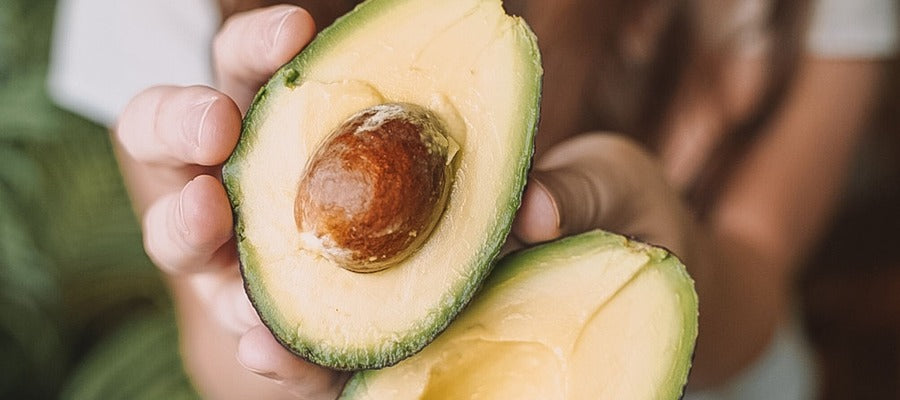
{"x":190,"y":232}
{"x":184,"y":231}
{"x":176,"y":126}
{"x":540,"y":218}
{"x":252,"y":46}
{"x":601,"y":181}
{"x":224,"y":296}
{"x":259,"y":352}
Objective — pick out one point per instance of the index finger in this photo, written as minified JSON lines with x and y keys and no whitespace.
{"x":179,"y":126}
{"x":251,"y":46}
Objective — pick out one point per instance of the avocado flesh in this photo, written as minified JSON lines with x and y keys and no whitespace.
{"x":465,"y":60}
{"x":595,"y":316}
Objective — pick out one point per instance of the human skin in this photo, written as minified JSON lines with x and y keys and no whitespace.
{"x":171,"y":142}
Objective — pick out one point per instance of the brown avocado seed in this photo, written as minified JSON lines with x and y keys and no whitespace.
{"x":375,"y":189}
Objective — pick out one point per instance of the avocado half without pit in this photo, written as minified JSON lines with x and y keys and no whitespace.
{"x":593,"y":316}
{"x":378,"y":174}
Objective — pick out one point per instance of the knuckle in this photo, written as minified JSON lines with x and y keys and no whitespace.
{"x":224,"y":39}
{"x":228,"y":26}
{"x":622,"y":144}
{"x":218,"y":45}
{"x":152,"y":240}
{"x":137,"y":119}
{"x":625,"y":154}
{"x":201,"y":241}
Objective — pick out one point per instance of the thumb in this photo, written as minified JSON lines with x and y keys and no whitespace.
{"x":601,"y":181}
{"x":259,"y":352}
{"x":556,"y":203}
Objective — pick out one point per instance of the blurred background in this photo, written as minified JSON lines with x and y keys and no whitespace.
{"x":850,"y":289}
{"x":84,"y":314}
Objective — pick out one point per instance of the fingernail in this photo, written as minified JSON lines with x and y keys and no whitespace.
{"x":540,"y":179}
{"x":195,"y":123}
{"x":575,"y":203}
{"x":180,"y":219}
{"x":260,"y":372}
{"x":271,"y":375}
{"x":277,"y":25}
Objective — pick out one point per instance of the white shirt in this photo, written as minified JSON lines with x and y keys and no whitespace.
{"x":107,"y":51}
{"x":860,"y":29}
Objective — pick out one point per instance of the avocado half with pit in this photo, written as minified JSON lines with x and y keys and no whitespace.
{"x":594,"y":316}
{"x":378,"y":173}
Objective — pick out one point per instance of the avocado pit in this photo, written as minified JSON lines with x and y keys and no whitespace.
{"x":376,"y":187}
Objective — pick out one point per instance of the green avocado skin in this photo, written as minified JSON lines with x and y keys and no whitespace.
{"x":549,"y":255}
{"x":293,"y":74}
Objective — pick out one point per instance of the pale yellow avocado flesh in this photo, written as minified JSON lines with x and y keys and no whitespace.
{"x":475,"y":67}
{"x":591,"y":317}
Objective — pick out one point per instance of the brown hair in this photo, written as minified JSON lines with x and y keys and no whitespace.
{"x":593,"y":79}
{"x":787,"y":23}
{"x":596,"y":78}
{"x":590,"y":68}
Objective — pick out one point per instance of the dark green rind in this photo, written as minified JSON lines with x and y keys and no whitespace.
{"x":410,"y":342}
{"x":543,"y":256}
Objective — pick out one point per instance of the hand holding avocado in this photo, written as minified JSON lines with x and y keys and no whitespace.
{"x":175,"y":140}
{"x":606,"y":181}
{"x":379,"y":172}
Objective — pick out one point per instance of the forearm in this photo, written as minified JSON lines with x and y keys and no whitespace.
{"x":776,"y":206}
{"x":743,"y":295}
